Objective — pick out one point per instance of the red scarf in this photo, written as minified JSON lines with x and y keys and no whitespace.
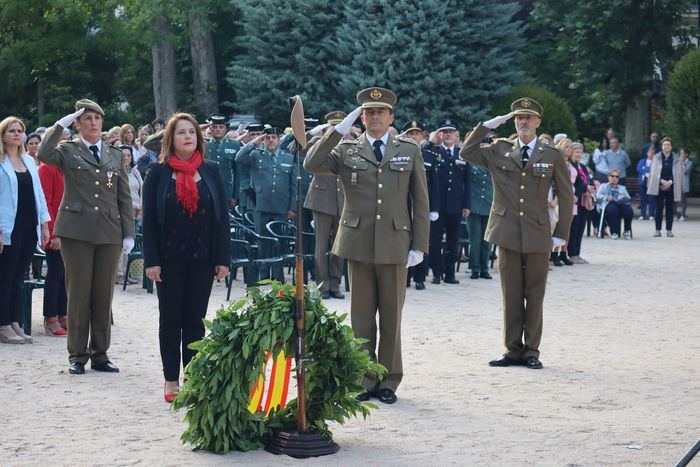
{"x":185,"y":186}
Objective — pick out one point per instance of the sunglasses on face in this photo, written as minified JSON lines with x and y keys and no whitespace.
{"x":614,"y":176}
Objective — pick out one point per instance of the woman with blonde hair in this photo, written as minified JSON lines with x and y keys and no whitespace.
{"x":24,"y":220}
{"x":185,"y":240}
{"x":565,"y":146}
{"x":127,"y":135}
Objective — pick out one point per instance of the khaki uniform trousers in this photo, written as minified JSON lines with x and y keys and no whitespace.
{"x":90,"y":274}
{"x":328,"y":267}
{"x":523,"y":282}
{"x":379,"y":287}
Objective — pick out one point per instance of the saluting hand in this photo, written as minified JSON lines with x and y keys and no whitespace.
{"x":498,"y":121}
{"x":344,"y":126}
{"x":153,"y":273}
{"x":68,"y":120}
{"x":318,"y":129}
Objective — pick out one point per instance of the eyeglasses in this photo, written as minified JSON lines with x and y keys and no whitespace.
{"x":614,"y":176}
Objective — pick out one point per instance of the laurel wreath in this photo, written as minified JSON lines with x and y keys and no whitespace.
{"x":229,"y":360}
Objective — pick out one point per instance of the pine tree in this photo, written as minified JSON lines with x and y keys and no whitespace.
{"x":286,"y":48}
{"x":442,"y":57}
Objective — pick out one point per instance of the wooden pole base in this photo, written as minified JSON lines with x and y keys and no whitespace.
{"x":301,"y":445}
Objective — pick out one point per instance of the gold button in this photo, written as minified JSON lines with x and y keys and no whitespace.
{"x":97,"y":208}
{"x":379,"y":171}
{"x":379,"y":216}
{"x":404,"y":227}
{"x":97,"y":183}
{"x":504,"y":167}
{"x":380,"y":185}
{"x":524,"y":173}
{"x":542,"y":175}
{"x":522,"y":213}
{"x":354,"y":166}
{"x":97,"y":170}
{"x":345,"y":221}
{"x":379,"y":201}
{"x":337,"y":189}
{"x":401,"y":169}
{"x":522,"y":200}
{"x":522,"y":187}
{"x":96,"y":195}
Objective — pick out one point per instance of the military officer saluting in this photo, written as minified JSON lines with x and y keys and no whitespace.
{"x":223,"y":151}
{"x":325,"y":199}
{"x":453,"y":203}
{"x":246,"y":194}
{"x":377,"y":233}
{"x":95,"y":223}
{"x":416,"y":131}
{"x":523,"y":171}
{"x":273,"y":176}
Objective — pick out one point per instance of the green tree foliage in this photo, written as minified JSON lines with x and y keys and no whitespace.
{"x":443,"y":58}
{"x":600,"y":56}
{"x":683,"y":101}
{"x":286,"y":48}
{"x":557,"y":116}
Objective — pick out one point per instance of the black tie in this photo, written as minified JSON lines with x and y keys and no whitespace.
{"x":378,"y":150}
{"x":95,"y":153}
{"x":524,"y":156}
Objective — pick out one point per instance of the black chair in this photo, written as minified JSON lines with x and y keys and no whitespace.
{"x":135,"y":254}
{"x":286,"y":234}
{"x":240,"y":258}
{"x":463,"y":244}
{"x":267,"y":260}
{"x":249,"y":220}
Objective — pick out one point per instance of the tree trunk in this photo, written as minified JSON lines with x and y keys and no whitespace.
{"x":40,"y":99}
{"x":637,"y":124}
{"x":163,"y":52}
{"x":206,"y":94}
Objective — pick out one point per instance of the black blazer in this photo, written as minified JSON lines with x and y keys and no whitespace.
{"x":155,"y":188}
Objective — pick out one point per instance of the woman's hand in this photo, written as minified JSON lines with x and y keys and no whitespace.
{"x":45,"y":236}
{"x":153,"y":273}
{"x":221,"y":272}
{"x":55,"y":243}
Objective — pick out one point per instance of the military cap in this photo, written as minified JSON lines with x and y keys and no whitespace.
{"x":310,"y":122}
{"x":526,"y":106}
{"x":447,"y":124}
{"x":376,"y":97}
{"x":217,"y":119}
{"x":87,"y":104}
{"x":255,"y":128}
{"x":273,"y":130}
{"x":154,"y":141}
{"x":413,"y":125}
{"x":335,"y":117}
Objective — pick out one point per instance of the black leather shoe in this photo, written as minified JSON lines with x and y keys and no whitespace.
{"x":364,"y":396}
{"x":420,"y":285}
{"x":451,"y":280}
{"x":386,"y":396}
{"x":485,"y":275}
{"x":533,"y":363}
{"x":474,"y":275}
{"x":325,"y":295}
{"x":435,"y":280}
{"x":565,"y":259}
{"x":337,"y":294}
{"x":505,"y":361}
{"x":77,"y":368}
{"x":107,"y":367}
{"x":557,"y":262}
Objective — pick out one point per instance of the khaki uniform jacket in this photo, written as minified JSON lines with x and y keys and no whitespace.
{"x":94,"y":208}
{"x":519,"y":218}
{"x":325,"y":195}
{"x":375,"y":225}
{"x":655,"y":177}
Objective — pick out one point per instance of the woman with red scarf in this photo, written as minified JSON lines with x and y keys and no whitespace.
{"x":185,"y":240}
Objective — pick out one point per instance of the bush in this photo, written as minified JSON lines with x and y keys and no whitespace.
{"x":556,"y":118}
{"x":683,"y":103}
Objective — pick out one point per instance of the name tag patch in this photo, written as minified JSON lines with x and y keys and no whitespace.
{"x":542,"y":168}
{"x":401,"y":160}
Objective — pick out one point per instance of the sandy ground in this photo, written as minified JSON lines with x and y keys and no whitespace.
{"x":621,"y":383}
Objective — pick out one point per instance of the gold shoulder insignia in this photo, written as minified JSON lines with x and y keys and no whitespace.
{"x":404,"y":139}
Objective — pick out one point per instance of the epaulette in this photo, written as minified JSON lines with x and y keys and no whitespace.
{"x":549,"y":145}
{"x":504,"y":140}
{"x":407,"y":140}
{"x":348,"y":141}
{"x":436,"y":154}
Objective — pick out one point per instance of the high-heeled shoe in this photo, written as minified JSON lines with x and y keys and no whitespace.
{"x":63,"y":321}
{"x":20,"y":332}
{"x":170,"y":396}
{"x":53,"y":327}
{"x":8,"y":336}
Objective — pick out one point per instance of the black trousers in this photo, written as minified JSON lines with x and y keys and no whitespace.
{"x":613,"y":213}
{"x":55,"y":298}
{"x":447,"y":224}
{"x":14,"y":262}
{"x":664,"y":200}
{"x":578,"y":225}
{"x":183,"y":297}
